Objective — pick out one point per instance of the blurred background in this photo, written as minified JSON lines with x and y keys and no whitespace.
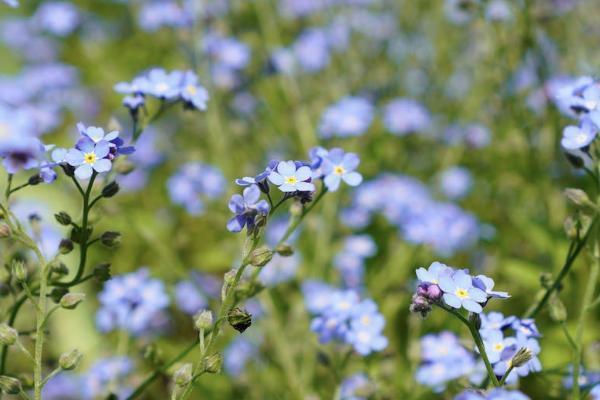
{"x":448,"y":104}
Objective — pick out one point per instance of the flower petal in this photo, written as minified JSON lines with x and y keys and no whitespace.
{"x":74,"y":157}
{"x":332,"y":182}
{"x":102,"y":148}
{"x":452,"y":300}
{"x":303,"y":173}
{"x":472,"y":306}
{"x":276,"y":179}
{"x":83,"y":171}
{"x":102,"y":165}
{"x":286,"y":168}
{"x":352,"y":178}
{"x":305,"y":187}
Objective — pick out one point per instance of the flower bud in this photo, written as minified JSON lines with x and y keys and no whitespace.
{"x":212,"y":364}
{"x":521,"y":357}
{"x":8,"y":335}
{"x":420,"y":304}
{"x":183,"y":376}
{"x":261,"y":256}
{"x":57,"y":293}
{"x":284,"y":250}
{"x":110,"y":238}
{"x":4,"y":230}
{"x":102,"y":272}
{"x":110,"y":190}
{"x":65,"y":246}
{"x":19,"y":271}
{"x":475,"y":319}
{"x":558,"y":311}
{"x":59,"y":269}
{"x":571,"y":229}
{"x":68,"y":169}
{"x":10,"y":385}
{"x":203,"y":320}
{"x":35,"y":180}
{"x":63,"y":218}
{"x":71,"y":300}
{"x":239,"y":319}
{"x":580,"y":198}
{"x":70,"y":359}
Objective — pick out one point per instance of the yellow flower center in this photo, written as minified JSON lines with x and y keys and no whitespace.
{"x":89,"y":158}
{"x":292,"y":180}
{"x":191,"y":89}
{"x":365,"y":320}
{"x":339,"y":170}
{"x":498,"y":347}
{"x":161,"y":87}
{"x":461,"y":293}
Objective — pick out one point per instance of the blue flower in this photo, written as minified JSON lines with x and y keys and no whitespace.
{"x":280,"y":269}
{"x":246,"y":209}
{"x":192,"y":93}
{"x":133,"y":302}
{"x":238,"y":353}
{"x":189,"y":298}
{"x":525,"y":328}
{"x":494,"y":394}
{"x":512,"y":346}
{"x":460,"y":292}
{"x":494,"y":322}
{"x":193,"y":182}
{"x":404,"y":116}
{"x":434,"y":273}
{"x":366,"y":326}
{"x":59,"y":18}
{"x":487,"y":284}
{"x":353,"y":386}
{"x":456,"y":182}
{"x":289,"y":178}
{"x":89,"y":157}
{"x":260,"y":178}
{"x":350,"y":116}
{"x":495,"y":344}
{"x":338,"y":166}
{"x":575,"y":138}
{"x":104,"y":373}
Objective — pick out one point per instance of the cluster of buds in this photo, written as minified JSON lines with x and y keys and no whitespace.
{"x":426,"y":295}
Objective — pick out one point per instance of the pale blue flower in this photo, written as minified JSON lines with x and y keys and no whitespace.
{"x":338,"y":166}
{"x":89,"y":157}
{"x":460,"y":292}
{"x":289,"y":178}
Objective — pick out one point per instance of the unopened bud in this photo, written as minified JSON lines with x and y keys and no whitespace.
{"x":19,"y":271}
{"x":8,"y":335}
{"x":521,"y":357}
{"x":212,"y":364}
{"x":57,"y":293}
{"x":71,"y":300}
{"x":284,"y":250}
{"x":558,"y":311}
{"x":203,"y":320}
{"x":70,"y":360}
{"x":4,"y":230}
{"x":65,"y":246}
{"x":35,"y":180}
{"x":420,"y":304}
{"x":10,"y":385}
{"x":110,"y":238}
{"x":102,"y":272}
{"x":110,"y":190}
{"x":579,"y":198}
{"x":261,"y":256}
{"x":63,"y":218}
{"x":183,"y":376}
{"x":60,"y":269}
{"x":239,"y":319}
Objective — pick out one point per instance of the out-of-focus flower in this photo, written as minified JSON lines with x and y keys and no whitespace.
{"x":280,"y":269}
{"x":338,"y":166}
{"x":355,"y":387}
{"x":192,"y":182}
{"x":104,"y":373}
{"x":577,"y":137}
{"x":350,"y":116}
{"x":404,"y":116}
{"x":494,"y":394}
{"x":133,"y":302}
{"x":455,"y":182}
{"x":59,"y":18}
{"x":240,"y":351}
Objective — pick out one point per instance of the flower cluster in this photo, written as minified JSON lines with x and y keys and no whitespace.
{"x":166,"y":86}
{"x":447,"y":286}
{"x":341,"y":315}
{"x":494,"y":394}
{"x":350,"y":261}
{"x":356,"y":387}
{"x":443,"y":359}
{"x":295,"y":179}
{"x":192,"y":295}
{"x":133,"y":302}
{"x":193,"y":182}
{"x":409,"y":205}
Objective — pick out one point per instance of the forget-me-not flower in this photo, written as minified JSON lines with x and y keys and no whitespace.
{"x":291,"y":178}
{"x":246,"y":208}
{"x":338,"y":166}
{"x":460,"y":292}
{"x":89,"y":157}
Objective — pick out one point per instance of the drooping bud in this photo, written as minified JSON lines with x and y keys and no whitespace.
{"x":203,"y":320}
{"x":110,"y":238}
{"x":212,"y":364}
{"x":63,"y":218}
{"x":70,"y":359}
{"x":521,"y":357}
{"x":183,"y":376}
{"x":4,"y":230}
{"x":59,"y":269}
{"x":571,"y":228}
{"x":580,"y":198}
{"x":65,"y":246}
{"x":8,"y":335}
{"x":239,"y":319}
{"x":284,"y":250}
{"x":420,"y":304}
{"x":110,"y":190}
{"x":261,"y":256}
{"x":10,"y":385}
{"x":35,"y":180}
{"x":19,"y":271}
{"x":71,"y":300}
{"x":102,"y":272}
{"x":57,"y":293}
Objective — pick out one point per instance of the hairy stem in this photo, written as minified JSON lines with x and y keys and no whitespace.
{"x":39,"y":332}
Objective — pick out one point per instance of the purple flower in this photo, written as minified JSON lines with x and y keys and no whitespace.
{"x":459,"y":292}
{"x":339,"y":166}
{"x":89,"y":157}
{"x":289,"y":178}
{"x":246,"y":208}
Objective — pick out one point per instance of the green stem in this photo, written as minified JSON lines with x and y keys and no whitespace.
{"x":506,"y":374}
{"x":83,"y":246}
{"x":478,"y":343}
{"x":39,"y":332}
{"x":571,"y":257}
{"x":11,"y":321}
{"x":587,"y":300}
